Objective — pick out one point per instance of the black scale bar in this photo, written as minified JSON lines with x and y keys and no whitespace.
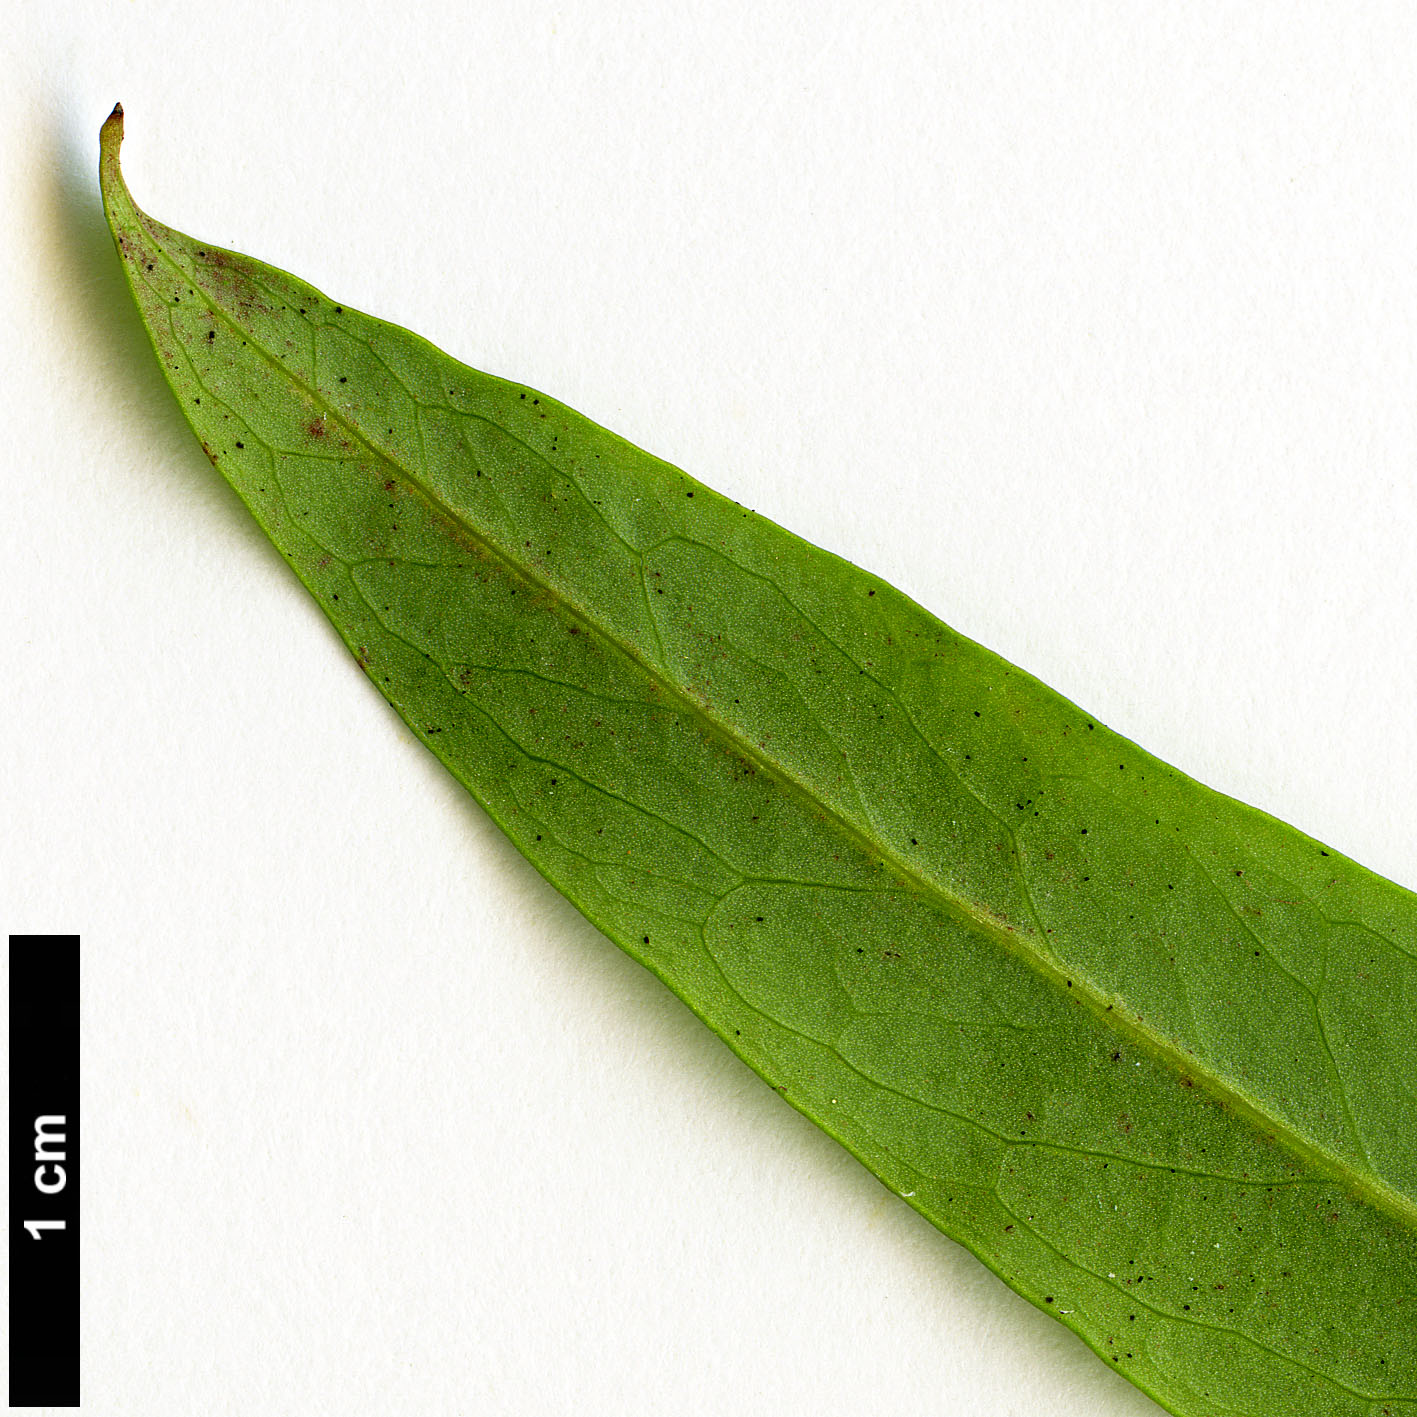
{"x":44,"y":1170}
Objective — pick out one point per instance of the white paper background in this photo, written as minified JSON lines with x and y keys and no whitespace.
{"x":1089,"y":325}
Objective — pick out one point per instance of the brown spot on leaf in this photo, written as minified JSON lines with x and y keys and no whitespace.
{"x":234,"y":286}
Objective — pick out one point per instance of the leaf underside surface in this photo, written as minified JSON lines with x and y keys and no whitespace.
{"x":1147,"y":1052}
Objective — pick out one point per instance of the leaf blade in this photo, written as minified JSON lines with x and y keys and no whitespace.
{"x":751,"y":753}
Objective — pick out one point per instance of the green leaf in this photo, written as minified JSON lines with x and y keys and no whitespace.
{"x":1147,"y":1052}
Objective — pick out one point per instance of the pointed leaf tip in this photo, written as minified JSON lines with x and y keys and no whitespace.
{"x":110,"y":136}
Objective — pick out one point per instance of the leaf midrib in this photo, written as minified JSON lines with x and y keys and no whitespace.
{"x":1373,"y":1190}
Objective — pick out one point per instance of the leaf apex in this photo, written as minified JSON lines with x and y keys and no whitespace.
{"x":114,"y":189}
{"x":111,"y":134}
